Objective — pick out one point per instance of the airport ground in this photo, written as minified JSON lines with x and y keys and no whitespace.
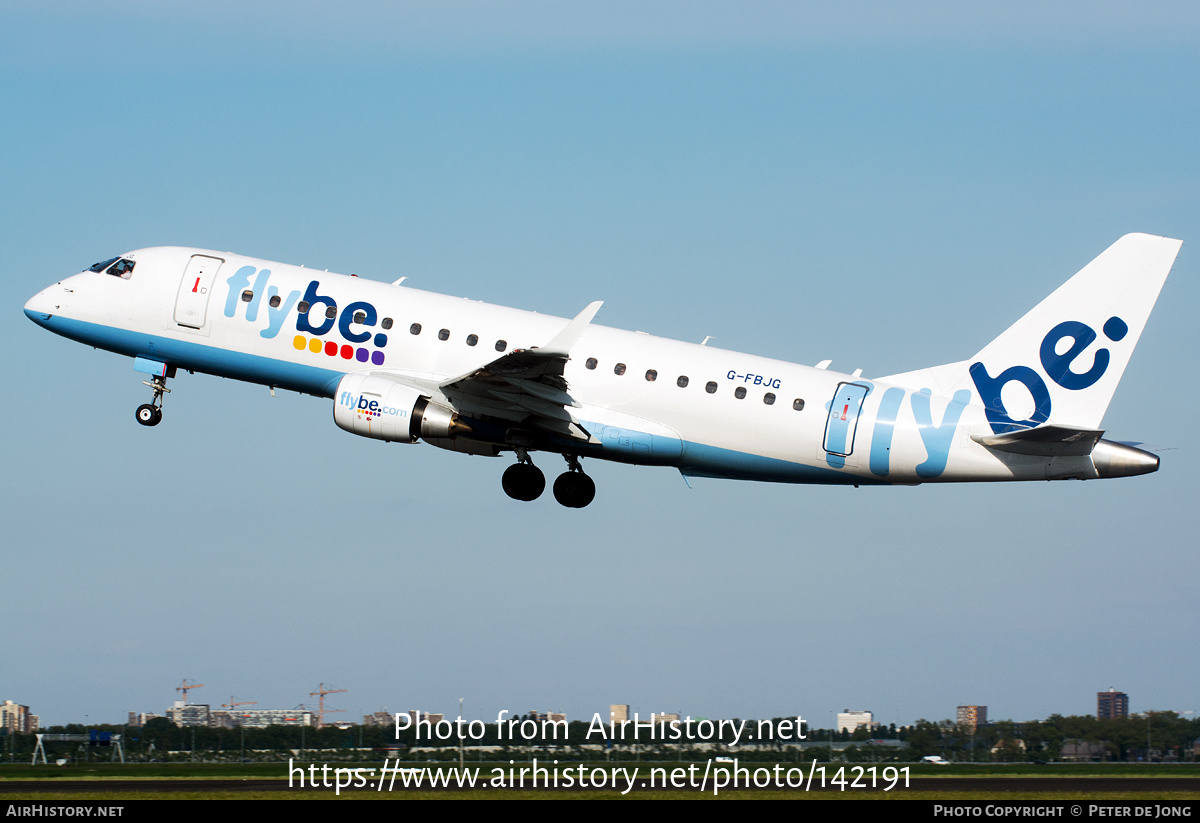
{"x":1078,"y":783}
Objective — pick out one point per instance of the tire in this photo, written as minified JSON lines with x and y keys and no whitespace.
{"x":523,"y":481}
{"x":574,"y":489}
{"x":148,"y":415}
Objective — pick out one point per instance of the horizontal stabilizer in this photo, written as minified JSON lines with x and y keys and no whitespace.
{"x":1044,"y":441}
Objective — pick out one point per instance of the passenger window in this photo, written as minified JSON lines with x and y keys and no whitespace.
{"x":740,"y":392}
{"x":275,"y":301}
{"x":592,"y":363}
{"x":247,"y":296}
{"x":302,"y":308}
{"x":331,"y":312}
{"x":415,"y":328}
{"x":651,"y":375}
{"x":710,"y":387}
{"x":444,"y":334}
{"x":387,"y":323}
{"x":619,"y":368}
{"x":798,"y":404}
{"x":682,"y":381}
{"x":501,"y":345}
{"x":360,"y":317}
{"x":472,"y":339}
{"x":769,"y":399}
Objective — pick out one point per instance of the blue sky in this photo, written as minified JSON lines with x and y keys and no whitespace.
{"x":887,"y":189}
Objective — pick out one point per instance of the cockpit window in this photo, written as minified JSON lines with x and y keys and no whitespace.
{"x":116,"y":266}
{"x":104,"y":264}
{"x":122,"y":268}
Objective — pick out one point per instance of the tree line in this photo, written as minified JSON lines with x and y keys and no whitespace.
{"x":1163,"y":735}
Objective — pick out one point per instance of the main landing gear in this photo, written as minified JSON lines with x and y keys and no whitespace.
{"x":525,"y":481}
{"x":150,"y":414}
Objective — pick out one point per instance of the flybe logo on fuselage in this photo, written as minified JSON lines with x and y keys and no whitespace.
{"x":353,"y":322}
{"x":1058,"y":352}
{"x":1057,"y":365}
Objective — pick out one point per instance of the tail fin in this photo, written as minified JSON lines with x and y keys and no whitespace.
{"x":1070,"y":351}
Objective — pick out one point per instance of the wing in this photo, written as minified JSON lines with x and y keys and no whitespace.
{"x":526,"y":386}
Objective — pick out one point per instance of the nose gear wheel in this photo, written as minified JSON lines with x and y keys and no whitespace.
{"x":150,"y":414}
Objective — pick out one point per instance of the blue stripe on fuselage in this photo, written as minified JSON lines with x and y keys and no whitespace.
{"x":696,"y":460}
{"x":700,"y":460}
{"x":185,"y":354}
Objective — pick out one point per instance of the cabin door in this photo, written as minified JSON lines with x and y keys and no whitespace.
{"x":191,"y":305}
{"x":843,"y":418}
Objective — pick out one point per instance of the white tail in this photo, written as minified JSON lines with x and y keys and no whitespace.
{"x":1061,"y":362}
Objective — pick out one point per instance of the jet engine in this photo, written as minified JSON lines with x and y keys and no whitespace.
{"x":373,"y":405}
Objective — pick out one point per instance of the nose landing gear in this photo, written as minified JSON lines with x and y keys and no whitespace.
{"x":150,"y":414}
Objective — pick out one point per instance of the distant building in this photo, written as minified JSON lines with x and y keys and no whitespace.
{"x":1111,"y":705}
{"x":666,"y":717}
{"x":618,"y":712}
{"x":188,"y":714}
{"x":1082,"y":751}
{"x":1010,"y":745}
{"x":548,"y":717}
{"x":16,"y":718}
{"x":379,"y":719}
{"x":260,"y":718}
{"x":972,"y":716}
{"x":848,"y":721}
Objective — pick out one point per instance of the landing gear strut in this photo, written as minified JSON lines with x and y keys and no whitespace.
{"x":150,"y":414}
{"x":523,"y":480}
{"x":573,"y":488}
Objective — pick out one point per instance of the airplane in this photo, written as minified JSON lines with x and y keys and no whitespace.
{"x":403,"y":365}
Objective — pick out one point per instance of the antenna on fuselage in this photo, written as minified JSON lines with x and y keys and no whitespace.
{"x":401,"y":280}
{"x":704,"y":342}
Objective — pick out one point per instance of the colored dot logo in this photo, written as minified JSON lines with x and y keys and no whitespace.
{"x":331,"y":349}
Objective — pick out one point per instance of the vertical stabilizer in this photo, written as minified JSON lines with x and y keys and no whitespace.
{"x":1061,"y":362}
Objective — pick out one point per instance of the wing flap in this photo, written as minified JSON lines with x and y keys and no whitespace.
{"x":526,"y":385}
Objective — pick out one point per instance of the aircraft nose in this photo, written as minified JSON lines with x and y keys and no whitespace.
{"x":41,"y":307}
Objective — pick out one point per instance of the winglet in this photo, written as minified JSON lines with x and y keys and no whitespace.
{"x":566,"y":339}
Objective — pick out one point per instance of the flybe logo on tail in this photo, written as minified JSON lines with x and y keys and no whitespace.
{"x":1057,"y":362}
{"x":318,"y":316}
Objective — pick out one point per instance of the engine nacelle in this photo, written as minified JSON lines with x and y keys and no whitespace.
{"x":373,"y":406}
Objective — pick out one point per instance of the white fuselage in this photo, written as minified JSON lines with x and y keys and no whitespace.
{"x":643,"y":399}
